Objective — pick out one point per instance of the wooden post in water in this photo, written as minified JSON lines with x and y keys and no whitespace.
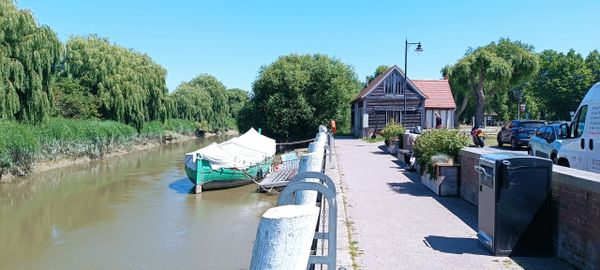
{"x":284,"y":236}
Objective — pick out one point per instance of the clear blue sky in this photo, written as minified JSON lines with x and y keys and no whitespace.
{"x":232,"y":39}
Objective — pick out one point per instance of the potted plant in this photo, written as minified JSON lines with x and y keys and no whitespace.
{"x":392,"y":133}
{"x":436,"y":152}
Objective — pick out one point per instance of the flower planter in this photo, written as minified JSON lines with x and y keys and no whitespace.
{"x":446,"y":183}
{"x":392,"y":147}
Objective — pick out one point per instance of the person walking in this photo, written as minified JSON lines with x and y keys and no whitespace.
{"x":438,"y":121}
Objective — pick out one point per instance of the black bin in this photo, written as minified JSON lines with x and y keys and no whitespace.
{"x":514,"y":211}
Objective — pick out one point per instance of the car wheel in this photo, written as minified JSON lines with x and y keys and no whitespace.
{"x":499,"y":140}
{"x":553,"y":158}
{"x":564,"y":163}
{"x":513,"y":144}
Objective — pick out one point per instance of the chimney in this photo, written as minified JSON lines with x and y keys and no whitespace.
{"x":366,"y":80}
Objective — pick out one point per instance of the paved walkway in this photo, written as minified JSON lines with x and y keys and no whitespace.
{"x":399,"y":224}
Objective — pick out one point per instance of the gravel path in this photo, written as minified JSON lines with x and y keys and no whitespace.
{"x":399,"y":224}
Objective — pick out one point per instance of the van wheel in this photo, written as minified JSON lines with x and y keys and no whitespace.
{"x":499,"y":141}
{"x":563,"y":162}
{"x":553,"y":158}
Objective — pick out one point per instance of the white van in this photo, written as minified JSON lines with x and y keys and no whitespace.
{"x":581,"y":148}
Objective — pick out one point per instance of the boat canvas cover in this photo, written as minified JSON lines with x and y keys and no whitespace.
{"x":247,"y":150}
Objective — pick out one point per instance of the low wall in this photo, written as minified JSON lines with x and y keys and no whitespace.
{"x":575,"y":208}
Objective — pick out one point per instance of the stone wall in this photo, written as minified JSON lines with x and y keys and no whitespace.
{"x":575,"y":208}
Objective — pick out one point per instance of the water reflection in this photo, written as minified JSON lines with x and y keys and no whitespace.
{"x":132,"y":211}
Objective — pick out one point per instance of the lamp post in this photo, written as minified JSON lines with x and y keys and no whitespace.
{"x":419,"y":50}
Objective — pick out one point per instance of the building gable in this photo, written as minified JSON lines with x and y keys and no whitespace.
{"x":390,"y":82}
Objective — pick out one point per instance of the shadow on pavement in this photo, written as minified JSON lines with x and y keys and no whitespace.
{"x":455,"y":245}
{"x":459,"y":207}
{"x":467,"y":213}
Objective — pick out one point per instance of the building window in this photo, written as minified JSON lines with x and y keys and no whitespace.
{"x":392,"y":116}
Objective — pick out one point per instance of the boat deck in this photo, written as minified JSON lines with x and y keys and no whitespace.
{"x":281,"y":177}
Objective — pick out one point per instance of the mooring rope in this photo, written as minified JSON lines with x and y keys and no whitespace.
{"x":297,"y":142}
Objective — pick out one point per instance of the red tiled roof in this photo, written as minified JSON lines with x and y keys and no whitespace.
{"x":439,"y":95}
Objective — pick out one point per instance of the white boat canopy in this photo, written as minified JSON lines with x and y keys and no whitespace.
{"x":241,"y":152}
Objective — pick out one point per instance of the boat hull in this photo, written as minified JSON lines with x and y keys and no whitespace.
{"x":209,"y":179}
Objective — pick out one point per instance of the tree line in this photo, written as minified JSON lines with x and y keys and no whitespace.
{"x":497,"y":77}
{"x":91,"y":78}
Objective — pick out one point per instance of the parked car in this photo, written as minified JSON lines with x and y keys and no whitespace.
{"x":578,"y":149}
{"x":546,"y":142}
{"x":517,"y":134}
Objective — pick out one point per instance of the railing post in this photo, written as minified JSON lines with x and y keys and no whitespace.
{"x":284,"y":237}
{"x":310,"y":162}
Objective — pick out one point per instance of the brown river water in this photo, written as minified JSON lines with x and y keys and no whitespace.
{"x":128,"y":212}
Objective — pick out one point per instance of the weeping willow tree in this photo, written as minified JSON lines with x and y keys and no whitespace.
{"x":203,"y":99}
{"x":130,"y":86}
{"x":29,"y":56}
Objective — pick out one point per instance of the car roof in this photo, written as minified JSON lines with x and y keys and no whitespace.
{"x":530,"y":121}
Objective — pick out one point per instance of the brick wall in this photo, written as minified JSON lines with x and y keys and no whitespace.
{"x":575,"y":208}
{"x":576,"y":214}
{"x":469,"y":178}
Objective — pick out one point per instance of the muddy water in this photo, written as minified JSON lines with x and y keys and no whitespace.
{"x":128,"y":212}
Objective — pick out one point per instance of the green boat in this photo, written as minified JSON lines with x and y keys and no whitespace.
{"x":236,"y":162}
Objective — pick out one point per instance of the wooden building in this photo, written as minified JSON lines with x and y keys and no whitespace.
{"x":383,"y":99}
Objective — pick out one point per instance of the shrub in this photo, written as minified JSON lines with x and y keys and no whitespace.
{"x":438,"y":141}
{"x":180,"y":126}
{"x":152,"y":130}
{"x":17,"y":148}
{"x":392,"y":131}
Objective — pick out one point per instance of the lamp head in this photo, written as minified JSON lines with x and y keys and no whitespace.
{"x":419,"y":48}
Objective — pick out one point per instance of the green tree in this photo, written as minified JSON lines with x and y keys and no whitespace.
{"x":378,"y":71}
{"x":218,"y":96}
{"x":237,"y":98}
{"x":29,"y":56}
{"x":129,"y":85}
{"x":71,"y":100}
{"x":192,"y":103}
{"x":561,"y":84}
{"x":204,"y":99}
{"x":592,"y":61}
{"x":497,"y":67}
{"x":296,"y":93}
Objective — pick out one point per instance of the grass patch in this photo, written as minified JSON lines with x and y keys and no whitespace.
{"x":374,"y":140}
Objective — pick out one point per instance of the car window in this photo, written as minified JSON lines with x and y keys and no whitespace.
{"x":531,"y":124}
{"x":563,"y":129}
{"x":579,"y":124}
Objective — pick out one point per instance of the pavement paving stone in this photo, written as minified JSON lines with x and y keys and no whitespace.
{"x":399,"y":224}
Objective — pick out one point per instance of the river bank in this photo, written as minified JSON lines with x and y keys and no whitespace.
{"x":26,"y":150}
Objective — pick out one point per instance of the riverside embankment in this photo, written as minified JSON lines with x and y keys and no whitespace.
{"x":127,"y":212}
{"x":26,"y":149}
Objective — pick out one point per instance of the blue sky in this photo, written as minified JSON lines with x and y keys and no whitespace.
{"x":232,"y":39}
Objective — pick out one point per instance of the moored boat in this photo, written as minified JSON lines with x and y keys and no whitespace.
{"x":238,"y":161}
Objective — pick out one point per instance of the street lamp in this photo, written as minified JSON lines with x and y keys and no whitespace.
{"x":418,"y":50}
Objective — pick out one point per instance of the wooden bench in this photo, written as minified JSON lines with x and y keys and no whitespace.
{"x":287,"y":170}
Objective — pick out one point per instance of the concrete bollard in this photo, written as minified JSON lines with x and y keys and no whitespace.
{"x":284,"y":236}
{"x":311,"y":162}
